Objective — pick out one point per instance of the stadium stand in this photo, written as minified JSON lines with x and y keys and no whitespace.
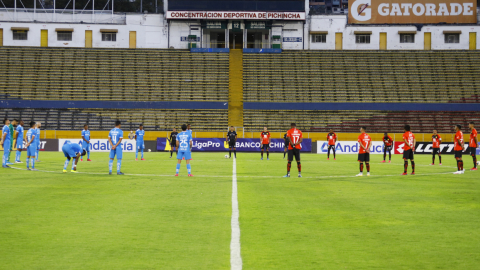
{"x":99,"y":119}
{"x":350,"y":121}
{"x":112,"y":74}
{"x":366,"y":76}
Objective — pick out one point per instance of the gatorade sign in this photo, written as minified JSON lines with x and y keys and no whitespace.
{"x":419,"y":11}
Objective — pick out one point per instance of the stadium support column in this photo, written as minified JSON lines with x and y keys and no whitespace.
{"x":235,"y":88}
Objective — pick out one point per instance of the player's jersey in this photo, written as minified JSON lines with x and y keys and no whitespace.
{"x":265,"y":137}
{"x":190,"y":131}
{"x":173,"y":136}
{"x":331,"y":137}
{"x":72,"y":149}
{"x":115,"y":135}
{"x":20,"y":131}
{"x":294,"y":135}
{"x":458,"y":136}
{"x":184,"y":138}
{"x":37,"y":136}
{"x":86,"y":134}
{"x":387,"y":140}
{"x":436,"y":140}
{"x":6,"y":130}
{"x":30,"y":133}
{"x":473,"y":135}
{"x":140,"y":133}
{"x":364,"y":139}
{"x":410,"y":138}
{"x":232,"y":135}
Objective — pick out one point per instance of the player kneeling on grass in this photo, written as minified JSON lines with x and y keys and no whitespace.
{"x":408,"y":149}
{"x":458,"y":148}
{"x":72,"y":150}
{"x":184,"y":145}
{"x":294,"y":137}
{"x":364,"y":150}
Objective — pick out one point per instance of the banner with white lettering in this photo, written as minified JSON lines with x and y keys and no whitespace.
{"x":242,"y":145}
{"x":225,"y":15}
{"x":424,"y":148}
{"x":348,"y":147}
{"x":101,"y":145}
{"x":408,"y":12}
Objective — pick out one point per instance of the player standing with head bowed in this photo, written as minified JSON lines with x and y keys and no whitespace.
{"x":458,"y":148}
{"x":365,"y":142}
{"x":232,"y":140}
{"x":5,"y":141}
{"x":285,"y":145}
{"x":72,"y":150}
{"x":173,"y":142}
{"x":19,"y":141}
{"x":408,"y":149}
{"x":115,"y":138}
{"x":331,"y":139}
{"x":38,"y":143}
{"x":86,"y":141}
{"x":295,"y":138}
{"x":265,"y":141}
{"x":31,"y":146}
{"x":436,"y":141}
{"x":472,"y":145}
{"x":387,"y":147}
{"x":184,"y":144}
{"x":139,"y":134}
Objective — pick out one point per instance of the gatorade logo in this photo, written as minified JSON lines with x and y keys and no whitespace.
{"x":361,"y":10}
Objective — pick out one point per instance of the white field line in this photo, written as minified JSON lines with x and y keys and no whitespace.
{"x":235,"y":257}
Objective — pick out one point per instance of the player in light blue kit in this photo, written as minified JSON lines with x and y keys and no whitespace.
{"x":86,"y":141}
{"x":19,"y":141}
{"x":37,"y":141}
{"x":140,"y":143}
{"x":72,"y":150}
{"x":184,"y":145}
{"x":115,"y":138}
{"x":6,"y":142}
{"x":31,"y":146}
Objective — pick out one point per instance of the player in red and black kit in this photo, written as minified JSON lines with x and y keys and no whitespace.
{"x":365,"y":142}
{"x":472,"y":145}
{"x":436,"y":141}
{"x":332,"y":139}
{"x":387,"y":147}
{"x":458,"y":148}
{"x":295,"y":138}
{"x":285,"y":143}
{"x":408,"y":149}
{"x":265,"y":141}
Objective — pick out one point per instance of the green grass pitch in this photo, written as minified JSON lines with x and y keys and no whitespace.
{"x":329,"y":219}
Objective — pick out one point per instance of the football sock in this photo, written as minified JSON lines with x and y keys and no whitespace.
{"x":289,"y":165}
{"x":433,"y":159}
{"x":368,"y":167}
{"x":384,"y":155}
{"x":17,"y":158}
{"x":65,"y":165}
{"x":262,"y":154}
{"x":334,"y":153}
{"x":178,"y":168}
{"x":284,"y":153}
{"x":28,"y":163}
{"x":413,"y":166}
{"x":389,"y":155}
{"x":440,"y":158}
{"x":405,"y":166}
{"x":461,"y":164}
{"x":33,"y":163}
{"x":475,"y":161}
{"x":171,"y":153}
{"x":458,"y":165}
{"x":235,"y":153}
{"x":230,"y":153}
{"x":136,"y":153}
{"x":88,"y":155}
{"x":73,"y":165}
{"x":189,"y":169}
{"x":4,"y":160}
{"x":119,"y":165}
{"x":299,"y":166}
{"x":110,"y":165}
{"x":328,"y":155}
{"x":142,"y":153}
{"x":268,"y":154}
{"x":361,"y":167}
{"x":36,"y":155}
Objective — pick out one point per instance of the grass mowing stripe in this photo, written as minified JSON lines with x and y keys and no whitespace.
{"x":235,"y":257}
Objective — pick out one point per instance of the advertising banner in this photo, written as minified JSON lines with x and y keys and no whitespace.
{"x":242,"y":145}
{"x":348,"y":147}
{"x":101,"y":145}
{"x":424,"y":148}
{"x":408,"y":12}
{"x":222,"y":15}
{"x":45,"y":145}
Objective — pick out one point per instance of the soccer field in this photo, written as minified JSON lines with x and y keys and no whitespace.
{"x":329,"y":219}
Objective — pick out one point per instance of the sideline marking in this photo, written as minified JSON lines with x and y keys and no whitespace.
{"x":235,"y":257}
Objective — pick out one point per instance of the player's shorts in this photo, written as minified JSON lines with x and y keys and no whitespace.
{"x":117,"y":152}
{"x":19,"y":145}
{"x":294,"y":153}
{"x":436,"y":151}
{"x":408,"y":154}
{"x":173,"y":143}
{"x":365,"y":157}
{"x":231,"y":144}
{"x":86,"y":146}
{"x":286,"y":144}
{"x":265,"y":146}
{"x":68,"y":152}
{"x":187,"y":155}
{"x":331,"y":146}
{"x":458,"y":154}
{"x":388,"y":148}
{"x":38,"y":145}
{"x":6,"y":149}
{"x":31,"y":150}
{"x":472,"y":151}
{"x":140,"y":145}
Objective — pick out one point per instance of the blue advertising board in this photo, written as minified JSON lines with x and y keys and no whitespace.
{"x":242,"y":145}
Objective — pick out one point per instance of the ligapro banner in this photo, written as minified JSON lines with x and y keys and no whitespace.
{"x":242,"y":145}
{"x":101,"y":145}
{"x":349,"y":147}
{"x":408,"y":12}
